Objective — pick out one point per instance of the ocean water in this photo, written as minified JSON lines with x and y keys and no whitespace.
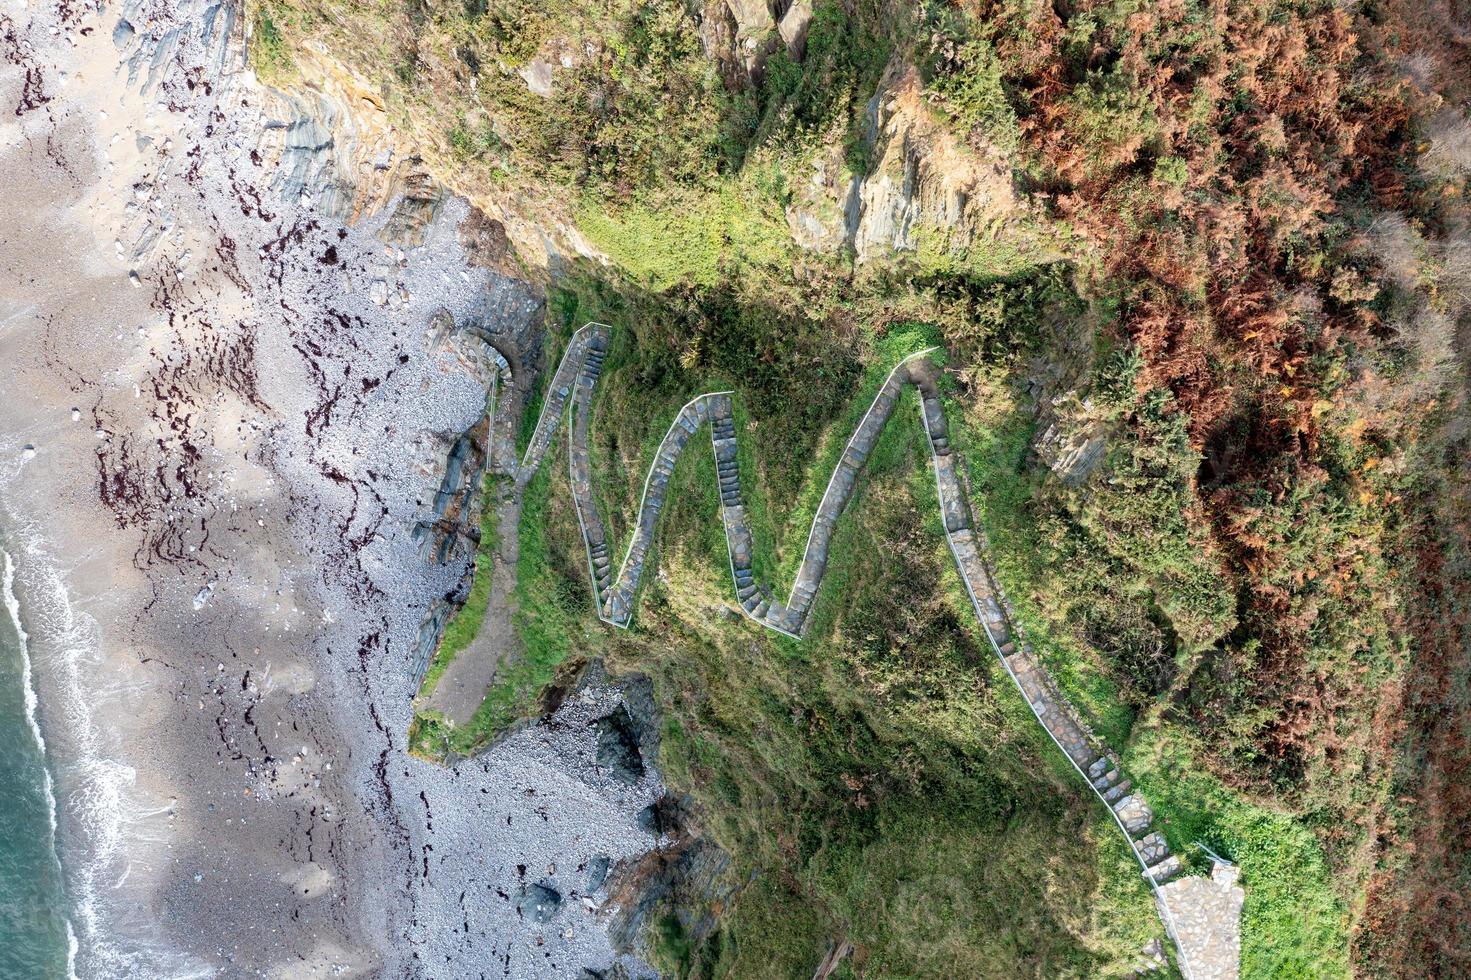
{"x":34,"y":934}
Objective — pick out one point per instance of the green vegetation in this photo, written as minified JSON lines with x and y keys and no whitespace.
{"x":868,"y":754}
{"x":1197,"y":285}
{"x":1296,"y":921}
{"x":887,"y":746}
{"x":269,"y":54}
{"x":969,"y":86}
{"x":699,"y":239}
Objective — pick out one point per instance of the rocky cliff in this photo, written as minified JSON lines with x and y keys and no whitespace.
{"x":921,"y":187}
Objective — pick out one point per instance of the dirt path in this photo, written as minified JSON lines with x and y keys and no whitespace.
{"x":463,"y":684}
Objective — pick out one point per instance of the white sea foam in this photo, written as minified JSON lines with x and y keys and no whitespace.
{"x":96,"y":787}
{"x":12,"y":606}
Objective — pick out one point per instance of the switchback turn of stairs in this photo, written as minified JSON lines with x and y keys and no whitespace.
{"x":1202,"y":918}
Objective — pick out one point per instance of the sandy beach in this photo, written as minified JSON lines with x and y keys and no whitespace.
{"x":223,"y":414}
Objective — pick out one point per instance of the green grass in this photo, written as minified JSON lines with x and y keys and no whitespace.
{"x":931,"y":866}
{"x":1294,"y":924}
{"x":270,"y":54}
{"x":692,"y":238}
{"x":886,"y":352}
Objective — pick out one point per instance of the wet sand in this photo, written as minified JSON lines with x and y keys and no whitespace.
{"x":236,"y":412}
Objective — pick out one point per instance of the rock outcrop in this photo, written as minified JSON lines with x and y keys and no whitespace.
{"x":333,"y":146}
{"x":921,"y":188}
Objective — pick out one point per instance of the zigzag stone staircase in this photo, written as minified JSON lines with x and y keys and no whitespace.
{"x":1200,"y":914}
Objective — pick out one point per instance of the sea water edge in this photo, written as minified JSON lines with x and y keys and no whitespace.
{"x":36,"y":935}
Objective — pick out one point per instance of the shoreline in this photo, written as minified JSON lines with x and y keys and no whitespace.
{"x":32,"y":704}
{"x":235,"y":412}
{"x":97,"y":831}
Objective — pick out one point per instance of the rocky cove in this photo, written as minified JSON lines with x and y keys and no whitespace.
{"x":241,"y":400}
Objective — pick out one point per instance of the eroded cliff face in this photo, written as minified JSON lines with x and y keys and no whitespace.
{"x":907,"y":185}
{"x":330,"y":145}
{"x":333,"y":146}
{"x":921,"y":187}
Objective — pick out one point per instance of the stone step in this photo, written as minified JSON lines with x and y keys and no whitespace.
{"x":1098,"y":768}
{"x":1117,"y":792}
{"x":1134,"y":814}
{"x":745,"y":593}
{"x":1167,"y":870}
{"x":1108,"y":780}
{"x":1152,"y":849}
